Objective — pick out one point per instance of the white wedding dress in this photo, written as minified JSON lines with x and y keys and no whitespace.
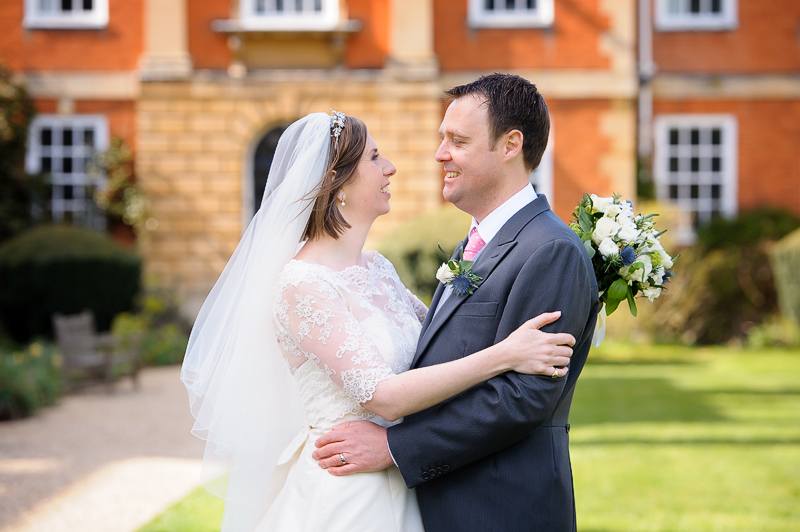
{"x":341,"y":333}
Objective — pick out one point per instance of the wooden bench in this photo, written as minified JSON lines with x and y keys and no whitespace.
{"x":84,"y":350}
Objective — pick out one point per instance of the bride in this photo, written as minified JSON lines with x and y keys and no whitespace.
{"x":345,"y":327}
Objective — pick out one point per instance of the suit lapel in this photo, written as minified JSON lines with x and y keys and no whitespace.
{"x":487,"y":261}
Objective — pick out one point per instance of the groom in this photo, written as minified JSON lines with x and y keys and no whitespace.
{"x":495,"y":457}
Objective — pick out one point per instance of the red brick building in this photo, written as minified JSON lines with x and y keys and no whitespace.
{"x":202,"y":88}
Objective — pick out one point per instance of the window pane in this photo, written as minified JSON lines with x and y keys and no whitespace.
{"x":317,"y":5}
{"x":47,"y":164}
{"x":279,"y":5}
{"x":716,"y":6}
{"x":88,"y":137}
{"x":45,"y":6}
{"x":695,"y":164}
{"x":510,"y":4}
{"x":695,"y":137}
{"x":716,"y":191}
{"x":88,"y":5}
{"x":694,"y":6}
{"x":673,"y":192}
{"x":67,"y":192}
{"x":531,"y":4}
{"x":47,"y":136}
{"x":673,"y":164}
{"x":66,"y":137}
{"x":716,"y":164}
{"x":298,"y":6}
{"x":695,"y":191}
{"x":66,"y":165}
{"x":673,"y":137}
{"x":716,"y":137}
{"x":66,"y":5}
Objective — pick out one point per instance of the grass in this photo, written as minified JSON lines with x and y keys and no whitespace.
{"x":663,"y":439}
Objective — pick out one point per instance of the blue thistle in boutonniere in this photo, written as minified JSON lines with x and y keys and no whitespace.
{"x":458,"y":274}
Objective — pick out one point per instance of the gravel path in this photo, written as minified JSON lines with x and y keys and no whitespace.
{"x":99,"y":462}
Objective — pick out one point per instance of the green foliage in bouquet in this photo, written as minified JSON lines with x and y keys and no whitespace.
{"x":29,"y":379}
{"x":626,"y":253}
{"x":63,"y":269}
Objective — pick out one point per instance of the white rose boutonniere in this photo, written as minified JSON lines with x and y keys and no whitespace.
{"x":458,"y":274}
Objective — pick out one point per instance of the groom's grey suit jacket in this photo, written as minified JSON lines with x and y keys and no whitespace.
{"x":495,"y":457}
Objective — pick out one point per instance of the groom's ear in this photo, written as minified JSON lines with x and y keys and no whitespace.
{"x":512,"y":145}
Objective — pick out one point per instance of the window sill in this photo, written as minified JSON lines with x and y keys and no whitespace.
{"x":258,"y":27}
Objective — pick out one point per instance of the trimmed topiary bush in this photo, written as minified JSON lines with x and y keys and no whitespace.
{"x":63,"y":269}
{"x":785,"y":260}
{"x":413,"y":247}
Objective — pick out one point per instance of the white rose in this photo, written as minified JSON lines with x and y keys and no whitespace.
{"x":607,"y":248}
{"x":628,"y":232}
{"x":612,"y":211}
{"x":638,"y":275}
{"x":605,"y":228}
{"x":600,"y":204}
{"x":651,"y":293}
{"x":444,"y":274}
{"x":666,"y":260}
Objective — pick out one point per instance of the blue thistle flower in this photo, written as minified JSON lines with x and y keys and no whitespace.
{"x":461,"y":285}
{"x":628,"y":255}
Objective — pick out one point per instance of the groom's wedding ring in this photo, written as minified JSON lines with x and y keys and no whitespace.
{"x":341,"y":456}
{"x":555,"y":373}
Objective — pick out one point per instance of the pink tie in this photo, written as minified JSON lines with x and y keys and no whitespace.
{"x":474,"y":245}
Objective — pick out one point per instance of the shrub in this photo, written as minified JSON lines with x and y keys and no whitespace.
{"x":786,"y":264}
{"x":413,"y":247}
{"x":162,"y":332}
{"x":724,"y":285}
{"x":63,"y":269}
{"x":29,"y":379}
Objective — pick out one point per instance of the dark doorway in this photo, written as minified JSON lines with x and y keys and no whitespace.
{"x":263,"y":160}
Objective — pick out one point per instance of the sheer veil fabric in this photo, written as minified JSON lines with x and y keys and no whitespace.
{"x":242,"y":396}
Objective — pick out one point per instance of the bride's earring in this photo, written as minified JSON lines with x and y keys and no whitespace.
{"x":343,"y":197}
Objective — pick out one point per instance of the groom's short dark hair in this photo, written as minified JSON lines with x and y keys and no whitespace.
{"x":512,"y":103}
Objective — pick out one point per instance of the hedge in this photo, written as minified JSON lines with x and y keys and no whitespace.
{"x":63,"y":269}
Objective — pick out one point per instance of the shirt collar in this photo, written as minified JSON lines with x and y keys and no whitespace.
{"x":496,"y":219}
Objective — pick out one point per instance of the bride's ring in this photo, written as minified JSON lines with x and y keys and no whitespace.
{"x":341,"y":456}
{"x":555,"y":373}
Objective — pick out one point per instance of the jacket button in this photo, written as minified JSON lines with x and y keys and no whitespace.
{"x":425,"y":476}
{"x":439,"y":470}
{"x":446,"y":468}
{"x":567,"y":427}
{"x":432,"y":472}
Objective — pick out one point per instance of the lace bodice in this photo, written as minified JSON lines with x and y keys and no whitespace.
{"x":344,"y":332}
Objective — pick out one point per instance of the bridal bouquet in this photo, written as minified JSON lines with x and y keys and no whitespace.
{"x":626,"y":253}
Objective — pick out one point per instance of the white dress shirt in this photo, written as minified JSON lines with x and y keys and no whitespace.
{"x":492,"y":224}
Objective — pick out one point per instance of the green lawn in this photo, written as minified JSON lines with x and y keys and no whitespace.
{"x":663,"y":439}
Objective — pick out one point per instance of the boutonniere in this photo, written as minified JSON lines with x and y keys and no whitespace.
{"x":458,"y":274}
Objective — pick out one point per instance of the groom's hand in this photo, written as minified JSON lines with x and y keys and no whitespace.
{"x":362,"y":443}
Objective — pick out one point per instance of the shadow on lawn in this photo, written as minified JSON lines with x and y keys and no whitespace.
{"x":612,"y":400}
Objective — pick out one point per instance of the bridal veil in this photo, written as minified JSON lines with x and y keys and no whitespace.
{"x":241,"y":394}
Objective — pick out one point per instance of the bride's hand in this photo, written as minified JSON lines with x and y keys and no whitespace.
{"x":535,"y":352}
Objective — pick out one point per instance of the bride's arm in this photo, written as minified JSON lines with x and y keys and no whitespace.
{"x":313,"y":321}
{"x":526,"y":350}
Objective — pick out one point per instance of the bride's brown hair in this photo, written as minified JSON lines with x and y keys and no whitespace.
{"x":345,"y":154}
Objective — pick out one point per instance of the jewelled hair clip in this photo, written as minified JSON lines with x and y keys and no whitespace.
{"x":338,"y":119}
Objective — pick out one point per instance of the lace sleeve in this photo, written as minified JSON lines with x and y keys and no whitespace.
{"x":419,"y":307}
{"x":313,"y":321}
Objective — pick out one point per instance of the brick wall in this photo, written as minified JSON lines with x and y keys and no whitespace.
{"x":769,"y":136}
{"x":573,"y":41}
{"x":193,"y":144}
{"x":209,"y":49}
{"x":114,"y":48}
{"x":766,"y":40}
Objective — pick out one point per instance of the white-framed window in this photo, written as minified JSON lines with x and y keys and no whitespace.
{"x":61,"y":147}
{"x":66,"y":14}
{"x":542,"y":177}
{"x":510,"y":13}
{"x":682,"y":15}
{"x":289,"y":15}
{"x":695,"y":165}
